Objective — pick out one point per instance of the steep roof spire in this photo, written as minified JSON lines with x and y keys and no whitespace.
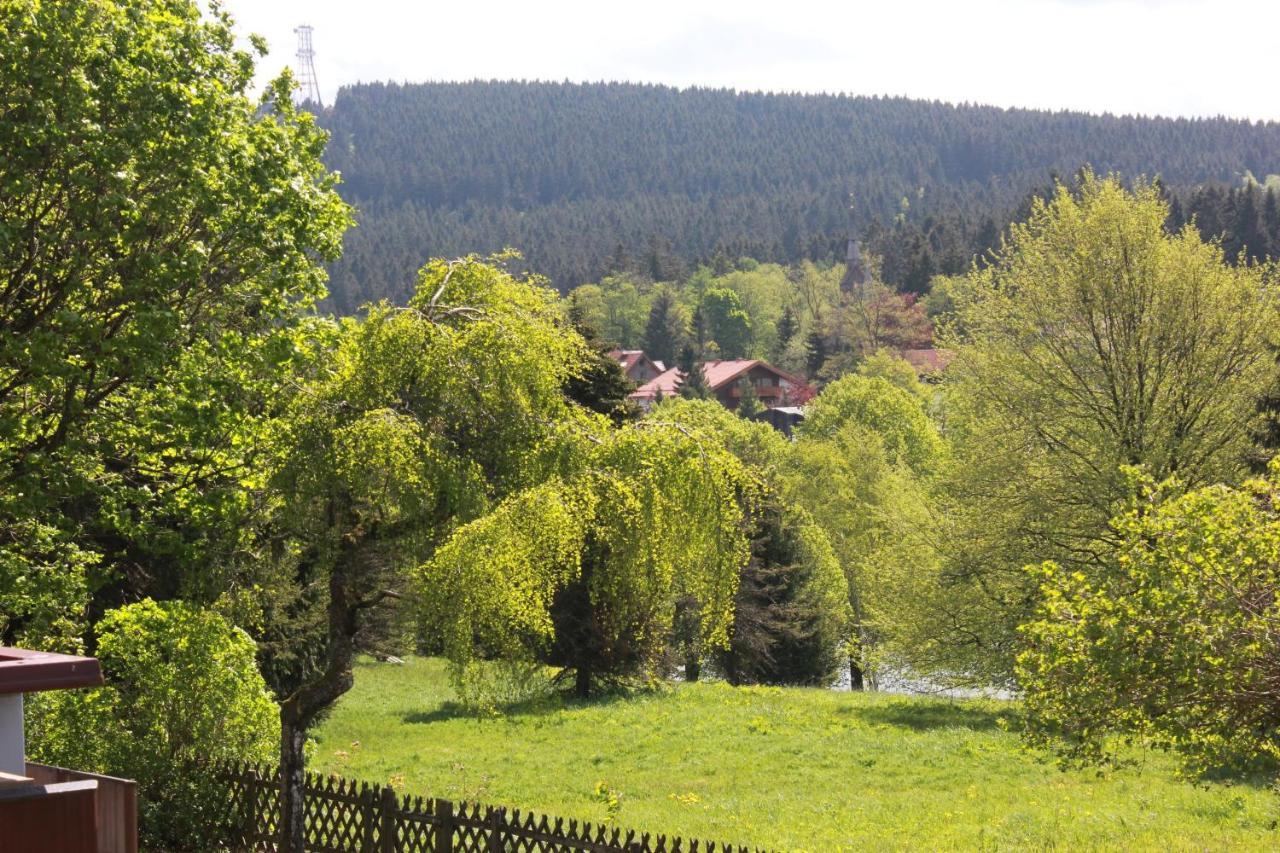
{"x":856,"y":276}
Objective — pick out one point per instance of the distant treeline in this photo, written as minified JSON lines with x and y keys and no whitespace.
{"x":588,"y":179}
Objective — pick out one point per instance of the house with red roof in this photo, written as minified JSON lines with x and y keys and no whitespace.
{"x":638,"y":367}
{"x":726,"y":379}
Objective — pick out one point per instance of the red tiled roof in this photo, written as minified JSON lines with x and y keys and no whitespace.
{"x":626,"y":357}
{"x":718,"y":374}
{"x":667,"y":383}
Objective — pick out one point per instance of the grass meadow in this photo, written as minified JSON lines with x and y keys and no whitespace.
{"x":783,"y":768}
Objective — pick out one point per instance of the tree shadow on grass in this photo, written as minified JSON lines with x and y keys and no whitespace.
{"x":922,"y":715}
{"x":538,"y":706}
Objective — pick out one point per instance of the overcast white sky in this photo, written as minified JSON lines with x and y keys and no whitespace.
{"x":1166,"y":57}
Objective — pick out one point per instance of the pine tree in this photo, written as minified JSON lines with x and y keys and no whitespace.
{"x":664,"y":334}
{"x":693,"y":383}
{"x":788,"y":325}
{"x":816,"y":352}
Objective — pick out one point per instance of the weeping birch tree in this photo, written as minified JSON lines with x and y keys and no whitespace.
{"x":420,"y":420}
{"x":585,"y":570}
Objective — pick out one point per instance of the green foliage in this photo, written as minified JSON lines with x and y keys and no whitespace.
{"x":1095,"y":341}
{"x":791,"y":611}
{"x":182,"y":693}
{"x":1174,"y":648}
{"x":899,"y":372}
{"x":861,"y":465}
{"x":895,"y":415}
{"x":647,"y":515}
{"x":423,"y":419}
{"x":601,"y":386}
{"x":666,"y":330}
{"x":749,"y":404}
{"x":159,"y":232}
{"x":590,"y":179}
{"x":727,"y":323}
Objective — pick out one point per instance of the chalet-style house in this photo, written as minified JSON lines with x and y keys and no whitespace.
{"x":725,"y":379}
{"x":638,"y":367}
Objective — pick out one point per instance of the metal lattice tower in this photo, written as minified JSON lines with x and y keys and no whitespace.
{"x":308,"y":85}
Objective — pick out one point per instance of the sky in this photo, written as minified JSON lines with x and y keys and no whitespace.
{"x":1150,"y":57}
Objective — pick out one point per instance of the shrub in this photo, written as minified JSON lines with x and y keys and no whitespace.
{"x":182,"y":692}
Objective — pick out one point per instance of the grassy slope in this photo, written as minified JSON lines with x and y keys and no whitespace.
{"x":791,"y":769}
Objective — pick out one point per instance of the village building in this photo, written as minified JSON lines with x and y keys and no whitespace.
{"x":726,"y":379}
{"x":638,"y":367}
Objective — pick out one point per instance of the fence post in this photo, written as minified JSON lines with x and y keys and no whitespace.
{"x":444,"y":826}
{"x":247,"y":831}
{"x":389,"y":824}
{"x":495,"y":830}
{"x":369,"y":819}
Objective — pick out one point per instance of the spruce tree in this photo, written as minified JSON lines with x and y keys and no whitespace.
{"x":816,"y":352}
{"x":693,"y":383}
{"x":788,"y":325}
{"x":664,"y":334}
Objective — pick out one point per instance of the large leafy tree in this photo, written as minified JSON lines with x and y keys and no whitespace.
{"x":791,"y":620}
{"x":728,"y":324}
{"x":862,"y":465}
{"x":1095,"y":340}
{"x":421,"y":419}
{"x":585,"y":570}
{"x":156,"y":224}
{"x":1175,"y":647}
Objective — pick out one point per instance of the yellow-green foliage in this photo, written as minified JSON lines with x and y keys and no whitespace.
{"x":424,"y":415}
{"x":1175,"y":646}
{"x":861,"y":465}
{"x":1094,"y":341}
{"x":182,"y":693}
{"x":657,"y":509}
{"x":894,"y":414}
{"x":490,"y":587}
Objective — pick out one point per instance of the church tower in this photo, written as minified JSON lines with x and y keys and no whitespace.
{"x":856,"y":276}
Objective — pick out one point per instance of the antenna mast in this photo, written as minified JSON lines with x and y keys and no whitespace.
{"x":308,"y":86}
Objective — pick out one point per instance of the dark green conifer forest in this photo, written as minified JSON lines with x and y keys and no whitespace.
{"x":586,"y":179}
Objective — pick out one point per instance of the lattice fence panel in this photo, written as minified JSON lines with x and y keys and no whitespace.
{"x":345,"y":816}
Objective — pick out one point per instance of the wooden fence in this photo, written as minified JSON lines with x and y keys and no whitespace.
{"x":345,"y":816}
{"x":116,"y":800}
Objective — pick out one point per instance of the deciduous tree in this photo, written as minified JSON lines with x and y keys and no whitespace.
{"x":1175,"y":646}
{"x":425,"y":417}
{"x":1095,"y":340}
{"x":152,"y":216}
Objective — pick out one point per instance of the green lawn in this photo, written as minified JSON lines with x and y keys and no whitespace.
{"x":782,"y":768}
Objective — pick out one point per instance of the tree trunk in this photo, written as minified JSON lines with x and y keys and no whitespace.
{"x":292,"y":779}
{"x":855,"y":674}
{"x":300,"y":710}
{"x":582,"y":681}
{"x":692,"y":667}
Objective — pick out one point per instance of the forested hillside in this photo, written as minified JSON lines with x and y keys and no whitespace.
{"x":589,"y":178}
